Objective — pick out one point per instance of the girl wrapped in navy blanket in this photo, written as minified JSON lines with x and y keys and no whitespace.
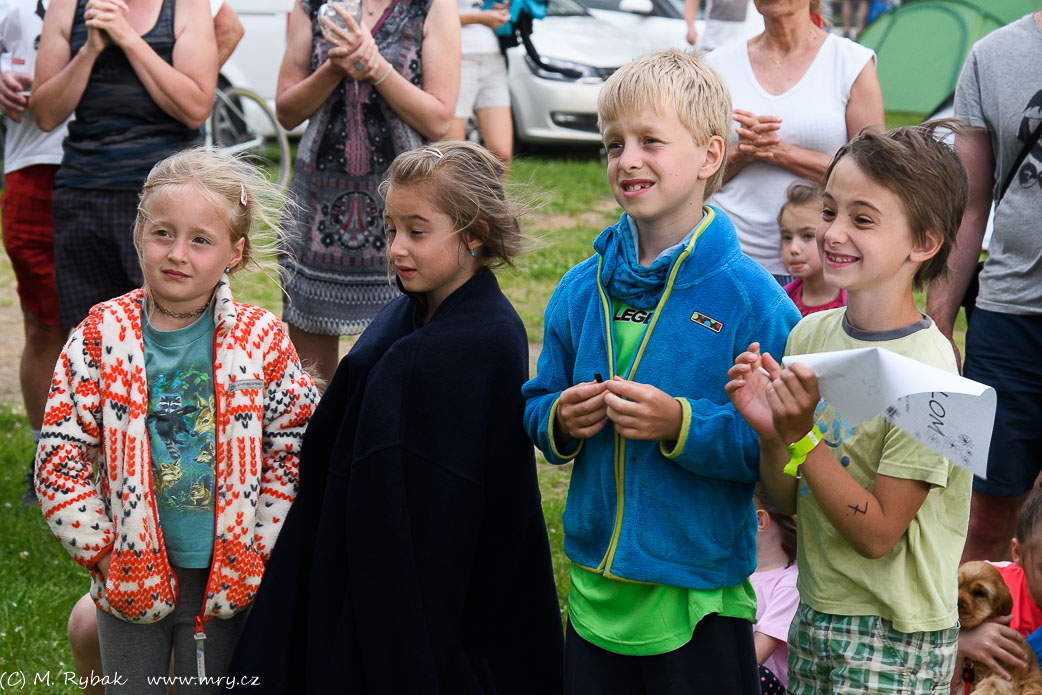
{"x":416,"y":558}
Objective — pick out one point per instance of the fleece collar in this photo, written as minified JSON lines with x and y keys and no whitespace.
{"x":641,"y":287}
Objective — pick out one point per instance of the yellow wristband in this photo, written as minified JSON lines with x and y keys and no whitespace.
{"x":390,"y":69}
{"x":798,"y":451}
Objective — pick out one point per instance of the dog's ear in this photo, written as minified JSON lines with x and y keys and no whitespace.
{"x":1003,"y":599}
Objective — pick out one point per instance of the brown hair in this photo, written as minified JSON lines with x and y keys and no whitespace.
{"x":924,"y":173}
{"x":466,"y":182}
{"x":677,"y":81}
{"x":1030,"y":517}
{"x":800,"y":192}
{"x":786,"y":524}
{"x":225,"y":181}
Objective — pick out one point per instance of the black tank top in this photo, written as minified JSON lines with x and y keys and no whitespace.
{"x":119,"y":132}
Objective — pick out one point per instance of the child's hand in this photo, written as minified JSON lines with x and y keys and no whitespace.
{"x":102,"y":566}
{"x":793,"y":396}
{"x":995,"y":644}
{"x":641,"y":411}
{"x":581,"y":412}
{"x":747,"y":390}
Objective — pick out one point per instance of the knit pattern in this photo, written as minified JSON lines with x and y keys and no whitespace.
{"x":93,"y":464}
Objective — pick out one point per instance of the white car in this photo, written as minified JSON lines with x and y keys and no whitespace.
{"x":552,"y":107}
{"x":256,"y":60}
{"x":660,"y":22}
{"x":548,"y":106}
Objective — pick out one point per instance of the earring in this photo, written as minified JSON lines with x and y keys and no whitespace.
{"x":227,"y":270}
{"x":472,"y":254}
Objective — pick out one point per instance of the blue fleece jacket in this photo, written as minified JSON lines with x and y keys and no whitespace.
{"x":677,"y":513}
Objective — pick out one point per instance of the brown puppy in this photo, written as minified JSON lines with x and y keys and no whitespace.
{"x":984,"y":595}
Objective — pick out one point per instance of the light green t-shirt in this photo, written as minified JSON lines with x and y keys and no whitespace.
{"x":915,"y":584}
{"x":635,"y":618}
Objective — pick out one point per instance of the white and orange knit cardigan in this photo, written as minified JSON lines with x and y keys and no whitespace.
{"x":93,"y":465}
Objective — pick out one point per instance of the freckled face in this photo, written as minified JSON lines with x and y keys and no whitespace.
{"x":656,"y":171}
{"x":185,"y":247}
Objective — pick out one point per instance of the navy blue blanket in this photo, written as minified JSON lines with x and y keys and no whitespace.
{"x":415,"y":557}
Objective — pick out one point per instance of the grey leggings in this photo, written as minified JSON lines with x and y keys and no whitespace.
{"x":139,"y":652}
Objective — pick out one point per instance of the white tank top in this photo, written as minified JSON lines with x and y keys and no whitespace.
{"x":813,"y":113}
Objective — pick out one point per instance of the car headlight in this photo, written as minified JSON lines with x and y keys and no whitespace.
{"x":573,"y":72}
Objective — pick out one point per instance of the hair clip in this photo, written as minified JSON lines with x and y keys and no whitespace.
{"x":242,"y":194}
{"x":435,"y":151}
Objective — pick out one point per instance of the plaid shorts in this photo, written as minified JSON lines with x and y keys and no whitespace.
{"x":864,"y":654}
{"x":29,"y":237}
{"x":94,"y":254}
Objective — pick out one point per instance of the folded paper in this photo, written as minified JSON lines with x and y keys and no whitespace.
{"x":952,"y":415}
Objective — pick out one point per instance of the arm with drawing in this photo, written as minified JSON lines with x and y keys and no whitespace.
{"x":781,"y":410}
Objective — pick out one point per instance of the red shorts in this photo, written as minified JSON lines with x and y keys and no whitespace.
{"x":25,"y":214}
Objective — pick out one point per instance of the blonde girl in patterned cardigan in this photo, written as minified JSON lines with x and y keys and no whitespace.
{"x":169,"y":454}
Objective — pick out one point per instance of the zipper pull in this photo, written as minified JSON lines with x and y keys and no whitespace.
{"x":200,"y":648}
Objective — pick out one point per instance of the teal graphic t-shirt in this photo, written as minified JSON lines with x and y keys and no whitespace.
{"x":181,"y":437}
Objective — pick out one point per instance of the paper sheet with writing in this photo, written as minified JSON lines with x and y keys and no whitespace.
{"x":951,"y":415}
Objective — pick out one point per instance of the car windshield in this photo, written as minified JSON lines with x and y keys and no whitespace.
{"x":565,"y":8}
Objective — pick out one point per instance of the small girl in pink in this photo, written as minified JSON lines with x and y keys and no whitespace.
{"x":798,"y":220}
{"x":775,"y":584}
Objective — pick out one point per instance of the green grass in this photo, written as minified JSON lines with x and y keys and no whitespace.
{"x":553,"y":484}
{"x":576,"y":204}
{"x":40,"y":581}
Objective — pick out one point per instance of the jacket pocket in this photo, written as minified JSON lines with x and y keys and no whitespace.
{"x":136,"y":589}
{"x":589,"y":513}
{"x":678,"y":516}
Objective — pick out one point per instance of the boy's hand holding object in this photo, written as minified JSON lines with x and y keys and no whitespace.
{"x":581,"y":412}
{"x":642,"y":411}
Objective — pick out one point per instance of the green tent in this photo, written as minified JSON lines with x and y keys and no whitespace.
{"x":922,"y":44}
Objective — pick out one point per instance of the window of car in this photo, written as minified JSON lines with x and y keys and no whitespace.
{"x":568,"y":8}
{"x":612,"y":5}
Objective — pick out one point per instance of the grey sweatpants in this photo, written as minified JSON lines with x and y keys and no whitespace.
{"x":136,"y":657}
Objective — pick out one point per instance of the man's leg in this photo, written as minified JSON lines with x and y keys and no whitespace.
{"x":28,"y":235}
{"x":43,"y":345}
{"x":996,"y":345}
{"x":993,"y":522}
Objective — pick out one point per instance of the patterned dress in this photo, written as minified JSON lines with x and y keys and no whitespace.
{"x":335,"y":274}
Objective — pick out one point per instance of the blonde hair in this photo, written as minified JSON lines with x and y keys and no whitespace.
{"x":466,"y":182}
{"x":677,"y":81}
{"x":251,"y":203}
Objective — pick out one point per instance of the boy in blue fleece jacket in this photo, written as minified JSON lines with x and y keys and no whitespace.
{"x":659,"y":523}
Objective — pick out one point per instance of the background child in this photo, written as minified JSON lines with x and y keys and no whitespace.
{"x":991,"y":642}
{"x":658,"y":524}
{"x":416,"y":558}
{"x":189,"y":407}
{"x":798,"y":221}
{"x":882,"y":518}
{"x":775,"y":584}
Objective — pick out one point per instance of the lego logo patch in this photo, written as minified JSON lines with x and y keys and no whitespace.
{"x":706,"y":322}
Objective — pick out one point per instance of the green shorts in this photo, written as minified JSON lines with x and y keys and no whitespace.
{"x":864,"y":654}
